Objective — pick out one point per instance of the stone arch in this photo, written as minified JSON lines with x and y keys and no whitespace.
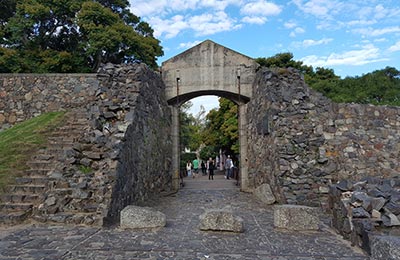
{"x":236,"y":98}
{"x":209,"y":69}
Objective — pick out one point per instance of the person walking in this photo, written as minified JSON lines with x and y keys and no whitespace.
{"x":228,"y":167}
{"x":211,"y":169}
{"x":203,"y":168}
{"x":189,"y":168}
{"x":195,"y":167}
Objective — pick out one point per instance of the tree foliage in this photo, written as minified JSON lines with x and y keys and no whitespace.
{"x":381,"y":87}
{"x":72,"y":35}
{"x":190,"y":128}
{"x":221,"y":130}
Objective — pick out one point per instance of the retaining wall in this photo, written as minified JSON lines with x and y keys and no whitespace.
{"x":125,"y":148}
{"x":300,"y":142}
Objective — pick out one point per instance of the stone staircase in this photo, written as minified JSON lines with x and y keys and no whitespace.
{"x":22,"y":199}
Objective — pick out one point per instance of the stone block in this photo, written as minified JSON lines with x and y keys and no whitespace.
{"x":385,"y":248}
{"x":136,"y":217}
{"x":221,"y":220}
{"x":264,"y":193}
{"x":296,"y":217}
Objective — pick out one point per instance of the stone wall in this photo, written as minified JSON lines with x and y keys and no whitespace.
{"x":300,"y":142}
{"x":133,"y":103}
{"x":24,"y":96}
{"x":121,"y":157}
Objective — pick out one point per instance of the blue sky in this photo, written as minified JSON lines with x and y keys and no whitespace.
{"x":352,"y":37}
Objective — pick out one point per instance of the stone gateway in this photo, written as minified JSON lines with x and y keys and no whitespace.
{"x":121,"y":144}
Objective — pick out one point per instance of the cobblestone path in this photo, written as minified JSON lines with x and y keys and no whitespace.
{"x":181,"y":238}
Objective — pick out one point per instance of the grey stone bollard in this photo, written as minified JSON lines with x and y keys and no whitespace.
{"x":296,"y":217}
{"x":264,"y":193}
{"x":142,"y":217}
{"x":220,"y":220}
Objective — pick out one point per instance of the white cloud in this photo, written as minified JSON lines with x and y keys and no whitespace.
{"x":168,"y":27}
{"x":380,"y":12}
{"x":360,"y":22}
{"x":147,"y":7}
{"x":258,"y":11}
{"x":377,"y":32}
{"x":261,"y":7}
{"x":368,"y":54}
{"x":254,"y":20}
{"x":297,"y":31}
{"x":309,"y":42}
{"x":319,"y":8}
{"x":395,"y":47}
{"x":208,"y":16}
{"x":290,"y":25}
{"x":187,"y":45}
{"x":207,"y":24}
{"x":218,"y":4}
{"x":380,"y":40}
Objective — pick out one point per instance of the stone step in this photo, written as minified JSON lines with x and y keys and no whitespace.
{"x":63,"y":192}
{"x":13,"y":207}
{"x":13,"y":218}
{"x":37,"y":172}
{"x":43,"y":156}
{"x":21,"y":198}
{"x":61,"y":143}
{"x":70,"y":131}
{"x":55,"y":151}
{"x":35,"y":180}
{"x":61,"y":139}
{"x":75,"y":125}
{"x":28,"y":189}
{"x":40,"y":164}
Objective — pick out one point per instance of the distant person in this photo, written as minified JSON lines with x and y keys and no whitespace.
{"x":189,"y":168}
{"x":211,"y":169}
{"x":195,"y":167}
{"x":203,"y":168}
{"x":228,"y":167}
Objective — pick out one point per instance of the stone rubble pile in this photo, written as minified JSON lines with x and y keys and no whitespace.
{"x":361,"y":209}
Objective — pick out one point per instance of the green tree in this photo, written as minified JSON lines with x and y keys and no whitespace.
{"x":190,"y":128}
{"x":221,"y":130}
{"x":284,"y":60}
{"x":378,"y":87}
{"x":73,"y":36}
{"x":7,"y":8}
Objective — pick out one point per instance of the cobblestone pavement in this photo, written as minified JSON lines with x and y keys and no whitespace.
{"x":181,"y":238}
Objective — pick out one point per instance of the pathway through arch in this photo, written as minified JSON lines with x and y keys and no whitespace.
{"x":181,"y":239}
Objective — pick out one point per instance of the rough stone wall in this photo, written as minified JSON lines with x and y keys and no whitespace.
{"x":363,"y":140}
{"x":122,"y":157}
{"x":135,"y":95}
{"x":23,"y":96}
{"x":300,"y":142}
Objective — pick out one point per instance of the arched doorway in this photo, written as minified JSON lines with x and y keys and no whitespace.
{"x":209,"y":69}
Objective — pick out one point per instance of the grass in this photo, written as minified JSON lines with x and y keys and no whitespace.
{"x":18,"y":143}
{"x":85,"y":169}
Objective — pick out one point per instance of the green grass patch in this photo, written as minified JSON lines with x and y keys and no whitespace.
{"x":18,"y":143}
{"x":85,"y":169}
